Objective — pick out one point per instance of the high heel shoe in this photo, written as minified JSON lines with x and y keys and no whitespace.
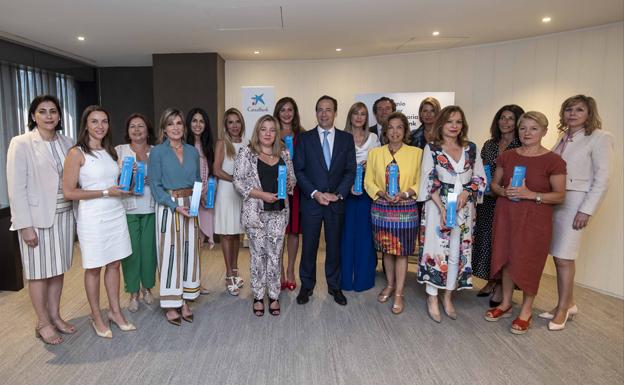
{"x":105,"y":334}
{"x":148,"y":298}
{"x":291,"y":285}
{"x":274,"y":311}
{"x":433,"y":314}
{"x":556,"y":327}
{"x":188,"y":318}
{"x":572,"y":312}
{"x":449,"y":312}
{"x":283,"y":285}
{"x":238,"y":279}
{"x":383,"y":298}
{"x":177,"y":321}
{"x":54,"y":339}
{"x":127,"y":327}
{"x":486,"y":293}
{"x":232,"y":287}
{"x":258,"y":312}
{"x":396,"y":307}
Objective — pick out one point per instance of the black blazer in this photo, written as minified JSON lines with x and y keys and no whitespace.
{"x":312,"y":173}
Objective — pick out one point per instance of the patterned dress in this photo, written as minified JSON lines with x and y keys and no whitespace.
{"x":482,"y":249}
{"x":444,"y":250}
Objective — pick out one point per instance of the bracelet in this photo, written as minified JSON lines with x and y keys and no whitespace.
{"x":406,"y":194}
{"x":104,"y":193}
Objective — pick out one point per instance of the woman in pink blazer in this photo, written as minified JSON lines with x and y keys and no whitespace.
{"x":587,"y":151}
{"x":40,"y":214}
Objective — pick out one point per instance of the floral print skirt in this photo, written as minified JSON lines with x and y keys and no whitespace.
{"x":395,"y":226}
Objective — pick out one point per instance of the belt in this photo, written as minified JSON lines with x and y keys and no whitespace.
{"x":181,"y":193}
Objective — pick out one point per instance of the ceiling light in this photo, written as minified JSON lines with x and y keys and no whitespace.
{"x":256,"y":52}
{"x":81,"y":38}
{"x":338,"y":49}
{"x":436,"y":33}
{"x":546,"y":19}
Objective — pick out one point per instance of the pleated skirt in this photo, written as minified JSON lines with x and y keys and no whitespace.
{"x":395,"y":226}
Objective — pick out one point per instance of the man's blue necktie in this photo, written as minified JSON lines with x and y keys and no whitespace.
{"x":326,"y":151}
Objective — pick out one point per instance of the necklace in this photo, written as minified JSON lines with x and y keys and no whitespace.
{"x":271,"y":156}
{"x":176,"y":147}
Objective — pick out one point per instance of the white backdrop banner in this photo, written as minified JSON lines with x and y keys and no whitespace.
{"x":407,"y":103}
{"x":255,"y":102}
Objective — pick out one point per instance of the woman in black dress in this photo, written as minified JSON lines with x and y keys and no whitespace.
{"x":504,"y":136}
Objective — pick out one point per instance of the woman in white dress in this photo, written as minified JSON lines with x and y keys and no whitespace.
{"x":90,"y":178}
{"x":228,"y":202}
{"x":450,"y":163}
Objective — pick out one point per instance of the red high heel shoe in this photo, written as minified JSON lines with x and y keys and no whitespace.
{"x":291,"y":285}
{"x":284,"y":285}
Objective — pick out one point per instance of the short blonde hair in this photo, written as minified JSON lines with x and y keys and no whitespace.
{"x":433,"y":102}
{"x":254,"y":144}
{"x":535,"y":116}
{"x":593,"y":118}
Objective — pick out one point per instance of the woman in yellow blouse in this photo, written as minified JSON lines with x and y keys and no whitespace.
{"x":395,"y":219}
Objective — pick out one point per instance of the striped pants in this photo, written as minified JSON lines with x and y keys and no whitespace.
{"x":178,"y":251}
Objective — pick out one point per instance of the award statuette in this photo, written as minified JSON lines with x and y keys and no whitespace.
{"x":393,"y":179}
{"x":139,"y":182}
{"x":519,"y":174}
{"x":451,"y":210}
{"x":281,"y":182}
{"x":195,"y":198}
{"x":125,"y":179}
{"x":288,"y":140}
{"x":359,"y":176}
{"x":488,"y":177}
{"x":210,"y":193}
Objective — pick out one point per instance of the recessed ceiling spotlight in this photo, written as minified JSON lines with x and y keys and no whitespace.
{"x":256,"y":52}
{"x":81,"y":38}
{"x":338,"y":49}
{"x":546,"y":19}
{"x":436,"y":33}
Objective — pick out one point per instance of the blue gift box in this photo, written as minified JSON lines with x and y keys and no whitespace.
{"x":281,"y":182}
{"x":139,"y":182}
{"x":125,"y":179}
{"x":359,"y":176}
{"x":210,"y":193}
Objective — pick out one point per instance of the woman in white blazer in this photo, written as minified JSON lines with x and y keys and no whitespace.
{"x":40,"y":214}
{"x":587,"y":151}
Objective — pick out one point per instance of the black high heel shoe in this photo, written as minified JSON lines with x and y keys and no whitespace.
{"x":258,"y":312}
{"x":273,"y":311}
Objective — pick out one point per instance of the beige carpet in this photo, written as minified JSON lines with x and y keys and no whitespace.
{"x":318,"y":343}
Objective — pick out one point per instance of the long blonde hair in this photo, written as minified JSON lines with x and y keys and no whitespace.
{"x":254,"y":144}
{"x":230,"y":151}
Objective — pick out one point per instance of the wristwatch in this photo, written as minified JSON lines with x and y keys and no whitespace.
{"x":538,"y":199}
{"x":339,"y":195}
{"x":105,"y":194}
{"x":406,"y":194}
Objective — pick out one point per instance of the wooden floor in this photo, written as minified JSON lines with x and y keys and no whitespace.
{"x":319,"y":343}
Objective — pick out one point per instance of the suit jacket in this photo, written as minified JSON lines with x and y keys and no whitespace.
{"x":588,"y":160}
{"x":312,"y":173}
{"x":32,"y":180}
{"x":246,"y":178}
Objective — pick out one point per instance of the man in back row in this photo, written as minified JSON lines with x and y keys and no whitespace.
{"x":382,"y":108}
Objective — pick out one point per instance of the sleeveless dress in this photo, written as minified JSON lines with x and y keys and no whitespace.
{"x":228,"y":202}
{"x":101,"y":223}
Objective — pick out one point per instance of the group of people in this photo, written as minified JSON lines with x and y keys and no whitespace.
{"x":373,"y":189}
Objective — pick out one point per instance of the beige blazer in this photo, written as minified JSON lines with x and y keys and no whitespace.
{"x":588,"y":159}
{"x":32,"y":180}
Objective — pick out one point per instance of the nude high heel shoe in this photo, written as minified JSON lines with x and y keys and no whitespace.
{"x":573,"y":311}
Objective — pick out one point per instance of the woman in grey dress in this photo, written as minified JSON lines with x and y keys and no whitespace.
{"x":40,"y":214}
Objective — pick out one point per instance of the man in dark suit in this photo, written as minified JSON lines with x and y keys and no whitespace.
{"x":325,"y":168}
{"x":382,"y":108}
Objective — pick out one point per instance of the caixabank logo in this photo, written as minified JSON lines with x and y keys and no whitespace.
{"x":257,"y":104}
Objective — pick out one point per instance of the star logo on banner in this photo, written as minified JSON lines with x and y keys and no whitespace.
{"x":257,"y":99}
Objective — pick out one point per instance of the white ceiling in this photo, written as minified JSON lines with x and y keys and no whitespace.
{"x":127,"y":33}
